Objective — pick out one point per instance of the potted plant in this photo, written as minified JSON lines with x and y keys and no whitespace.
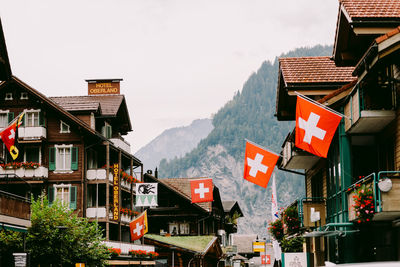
{"x":364,"y":203}
{"x":115,"y":252}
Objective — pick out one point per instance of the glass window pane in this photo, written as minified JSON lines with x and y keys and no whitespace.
{"x":3,"y":120}
{"x":32,"y":154}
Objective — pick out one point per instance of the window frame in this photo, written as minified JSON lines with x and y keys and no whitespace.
{"x":57,"y":155}
{"x":61,"y":127}
{"x":31,"y":111}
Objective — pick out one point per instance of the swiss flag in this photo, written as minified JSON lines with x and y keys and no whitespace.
{"x":265,"y":259}
{"x":9,"y":135}
{"x":315,"y":127}
{"x":201,"y":190}
{"x":138,"y":227}
{"x":258,"y":164}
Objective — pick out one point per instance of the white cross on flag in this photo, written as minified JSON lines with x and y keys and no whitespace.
{"x":315,"y":127}
{"x":138,"y":227}
{"x":259,"y":164}
{"x":201,"y":190}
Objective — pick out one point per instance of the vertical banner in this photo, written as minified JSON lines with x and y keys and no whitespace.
{"x":115,"y":192}
{"x":146,"y":194}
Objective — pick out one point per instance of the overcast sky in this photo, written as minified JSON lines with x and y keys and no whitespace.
{"x":180,"y":59}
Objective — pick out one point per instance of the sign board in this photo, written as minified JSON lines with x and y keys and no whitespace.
{"x":146,"y":194}
{"x":20,"y":259}
{"x":103,"y":88}
{"x":79,"y":265}
{"x":318,"y":207}
{"x":265,"y":259}
{"x":295,"y":259}
{"x":116,"y":191}
{"x":259,"y":246}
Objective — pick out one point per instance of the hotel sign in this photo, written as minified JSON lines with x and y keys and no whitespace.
{"x":258,"y":246}
{"x":116,"y":192}
{"x":103,"y":88}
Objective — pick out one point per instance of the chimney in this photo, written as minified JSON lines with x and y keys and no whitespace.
{"x":103,"y":86}
{"x":156,"y":173}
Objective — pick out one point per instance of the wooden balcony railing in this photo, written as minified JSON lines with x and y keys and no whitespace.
{"x":14,"y":206}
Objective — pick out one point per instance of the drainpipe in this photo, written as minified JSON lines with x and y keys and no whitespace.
{"x":107,"y":190}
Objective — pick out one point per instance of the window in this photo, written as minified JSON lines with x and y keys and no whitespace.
{"x":32,"y":119}
{"x":24,"y":95}
{"x":9,"y":96}
{"x":64,"y":128}
{"x":184,"y":228}
{"x":32,"y":154}
{"x":92,"y":159}
{"x":65,"y":193}
{"x":63,"y":158}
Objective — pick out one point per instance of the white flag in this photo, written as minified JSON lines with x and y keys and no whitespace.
{"x":275,"y":216}
{"x":146,"y":194}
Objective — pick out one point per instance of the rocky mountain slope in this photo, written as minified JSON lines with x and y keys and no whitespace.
{"x":174,"y":142}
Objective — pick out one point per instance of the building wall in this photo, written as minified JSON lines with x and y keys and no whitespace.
{"x":396,"y":72}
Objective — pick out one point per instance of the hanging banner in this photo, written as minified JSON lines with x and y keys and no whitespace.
{"x":146,"y":194}
{"x":116,"y":181}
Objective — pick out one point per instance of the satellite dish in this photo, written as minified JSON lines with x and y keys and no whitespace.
{"x":385,"y":185}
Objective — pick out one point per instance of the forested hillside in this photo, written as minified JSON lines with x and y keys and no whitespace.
{"x":249,"y":115}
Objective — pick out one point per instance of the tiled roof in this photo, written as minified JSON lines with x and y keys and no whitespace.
{"x":182,"y":185}
{"x":338,"y":91}
{"x":109,"y":105}
{"x":372,"y":8}
{"x":305,"y":70}
{"x":382,"y":38}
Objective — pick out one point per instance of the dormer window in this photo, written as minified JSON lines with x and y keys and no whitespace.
{"x":64,"y":128}
{"x":9,"y":96}
{"x":24,"y":95}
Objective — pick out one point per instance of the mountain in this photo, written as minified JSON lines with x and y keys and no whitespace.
{"x":174,"y":142}
{"x":249,"y":115}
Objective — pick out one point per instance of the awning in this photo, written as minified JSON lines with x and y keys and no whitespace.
{"x":12,"y":227}
{"x":130,"y":262}
{"x":332,"y":229}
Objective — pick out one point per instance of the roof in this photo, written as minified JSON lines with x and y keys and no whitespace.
{"x":109,"y":104}
{"x":5,"y":68}
{"x":197,"y":244}
{"x":306,"y":70}
{"x":386,"y":36}
{"x":359,"y":9}
{"x":228,"y":205}
{"x":182,"y":185}
{"x":338,"y":91}
{"x":244,"y":243}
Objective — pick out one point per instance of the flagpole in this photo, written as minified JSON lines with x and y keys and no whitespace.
{"x":321,"y":105}
{"x":251,"y":142}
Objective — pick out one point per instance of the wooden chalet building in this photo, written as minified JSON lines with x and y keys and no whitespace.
{"x":188,"y":234}
{"x":80,"y":155}
{"x":365,"y":150}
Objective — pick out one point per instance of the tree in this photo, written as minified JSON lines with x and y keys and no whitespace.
{"x":10,"y":242}
{"x":58,"y":236}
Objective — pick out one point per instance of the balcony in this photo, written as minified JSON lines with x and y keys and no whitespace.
{"x":122,"y":144}
{"x":14,"y":210}
{"x":385,"y":199}
{"x":294,"y":158}
{"x":98,"y":174}
{"x":99,"y":212}
{"x":27,"y":173}
{"x":368,"y":114}
{"x":32,"y":133}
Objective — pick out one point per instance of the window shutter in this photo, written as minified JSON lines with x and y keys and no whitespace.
{"x":52,"y":158}
{"x":10,"y":116}
{"x":72,"y":198}
{"x":41,"y":119}
{"x":109,"y":131}
{"x":74,"y":158}
{"x":50,"y":194}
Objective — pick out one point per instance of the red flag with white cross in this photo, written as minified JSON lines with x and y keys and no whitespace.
{"x":315,"y":127}
{"x":138,"y":227}
{"x":201,"y":190}
{"x":259,"y":164}
{"x":9,"y":135}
